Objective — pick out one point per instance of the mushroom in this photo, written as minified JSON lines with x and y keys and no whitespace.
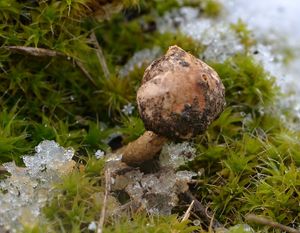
{"x":179,"y":98}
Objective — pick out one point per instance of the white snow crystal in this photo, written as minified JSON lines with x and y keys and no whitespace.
{"x":92,"y":226}
{"x":174,"y":155}
{"x":99,"y":154}
{"x":27,"y":189}
{"x":128,"y":109}
{"x":143,"y":57}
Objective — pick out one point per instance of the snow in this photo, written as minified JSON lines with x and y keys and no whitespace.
{"x":26,"y":190}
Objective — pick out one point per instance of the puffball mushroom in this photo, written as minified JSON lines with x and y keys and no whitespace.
{"x":179,"y":98}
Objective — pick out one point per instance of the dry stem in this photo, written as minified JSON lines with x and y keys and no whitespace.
{"x":100,"y":56}
{"x":41,"y":52}
{"x":37,"y":52}
{"x":264,"y":221}
{"x":205,"y":214}
{"x":85,"y":72}
{"x":103,"y":211}
{"x":188,"y":212}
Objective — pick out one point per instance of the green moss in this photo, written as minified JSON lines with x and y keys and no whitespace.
{"x":211,"y":8}
{"x":59,"y":102}
{"x":78,"y":199}
{"x":165,"y":40}
{"x":151,"y":224}
{"x":36,"y":228}
{"x":132,"y":128}
{"x":248,"y":86}
{"x":249,"y":157}
{"x":160,"y":6}
{"x":288,"y":55}
{"x":244,"y":34}
{"x":12,"y":136}
{"x":122,"y":34}
{"x":246,"y":152}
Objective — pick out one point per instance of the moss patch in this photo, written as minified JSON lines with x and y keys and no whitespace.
{"x":249,"y":159}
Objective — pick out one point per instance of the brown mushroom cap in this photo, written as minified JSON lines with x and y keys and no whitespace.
{"x":180,"y":95}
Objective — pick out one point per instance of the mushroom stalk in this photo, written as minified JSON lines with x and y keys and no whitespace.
{"x":143,"y":149}
{"x":179,"y":98}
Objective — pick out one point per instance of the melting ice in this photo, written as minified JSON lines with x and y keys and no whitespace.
{"x":27,"y":189}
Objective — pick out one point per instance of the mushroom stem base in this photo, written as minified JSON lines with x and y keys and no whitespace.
{"x":143,"y":149}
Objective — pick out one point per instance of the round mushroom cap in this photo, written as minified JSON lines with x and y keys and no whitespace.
{"x":180,"y":95}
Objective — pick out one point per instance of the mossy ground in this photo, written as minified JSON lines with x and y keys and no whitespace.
{"x":249,"y":158}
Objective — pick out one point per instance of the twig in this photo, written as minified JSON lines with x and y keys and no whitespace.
{"x":264,"y":221}
{"x":204,"y":213}
{"x":100,"y":56}
{"x":37,"y":52}
{"x":41,"y":52}
{"x":103,"y":211}
{"x":84,"y":71}
{"x":188,"y":212}
{"x":210,"y":228}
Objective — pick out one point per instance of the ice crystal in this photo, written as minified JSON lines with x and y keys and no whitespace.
{"x":99,"y":154}
{"x":219,"y":39}
{"x":272,"y":62}
{"x":276,"y":25}
{"x":185,"y":175}
{"x":176,"y":18}
{"x":49,"y":156}
{"x":196,"y":222}
{"x":128,"y":109}
{"x":27,"y":189}
{"x":92,"y":226}
{"x":269,"y":18}
{"x":113,"y":157}
{"x":221,"y":42}
{"x":140,"y":58}
{"x":174,"y":155}
{"x":157,"y":192}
